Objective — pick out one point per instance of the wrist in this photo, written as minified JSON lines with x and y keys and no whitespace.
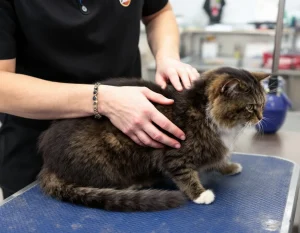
{"x":103,"y":93}
{"x":161,"y":55}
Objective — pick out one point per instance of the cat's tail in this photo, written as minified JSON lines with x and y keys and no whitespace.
{"x":110,"y":199}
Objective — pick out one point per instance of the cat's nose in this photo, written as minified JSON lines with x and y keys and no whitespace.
{"x":259,"y":116}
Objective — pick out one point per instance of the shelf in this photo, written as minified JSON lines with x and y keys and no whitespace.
{"x":201,"y":67}
{"x":267,"y":32}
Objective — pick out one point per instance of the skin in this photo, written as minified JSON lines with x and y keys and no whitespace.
{"x":164,"y":44}
{"x":129,"y":108}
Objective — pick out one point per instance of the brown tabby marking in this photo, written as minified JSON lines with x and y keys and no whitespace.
{"x":91,"y":162}
{"x":113,"y":141}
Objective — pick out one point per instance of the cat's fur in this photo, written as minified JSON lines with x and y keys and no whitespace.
{"x":90,"y":162}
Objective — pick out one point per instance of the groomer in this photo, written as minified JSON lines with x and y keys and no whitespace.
{"x":52,"y":53}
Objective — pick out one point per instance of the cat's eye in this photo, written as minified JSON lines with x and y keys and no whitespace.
{"x":250,"y":108}
{"x":243,"y":87}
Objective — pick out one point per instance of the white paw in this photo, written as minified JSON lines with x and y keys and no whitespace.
{"x":206,"y":197}
{"x":238,"y":169}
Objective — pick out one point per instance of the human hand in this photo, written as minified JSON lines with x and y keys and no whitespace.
{"x":130,"y":110}
{"x":173,"y":70}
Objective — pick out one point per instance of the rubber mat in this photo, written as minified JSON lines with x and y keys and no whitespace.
{"x":253,"y":201}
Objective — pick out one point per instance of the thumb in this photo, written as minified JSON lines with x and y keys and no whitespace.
{"x":155,"y":97}
{"x":161,"y":81}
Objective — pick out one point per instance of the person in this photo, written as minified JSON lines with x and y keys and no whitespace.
{"x":51,"y":55}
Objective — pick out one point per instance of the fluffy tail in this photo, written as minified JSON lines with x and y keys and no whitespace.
{"x":110,"y":199}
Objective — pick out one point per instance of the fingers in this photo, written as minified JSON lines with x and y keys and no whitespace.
{"x":184,"y":75}
{"x":149,"y":135}
{"x":136,"y":140}
{"x":155,"y":97}
{"x":161,"y":81}
{"x":196,"y":73}
{"x":146,"y":140}
{"x":187,"y":74}
{"x":174,"y":79}
{"x":193,"y":73}
{"x":158,"y":136}
{"x":162,"y":121}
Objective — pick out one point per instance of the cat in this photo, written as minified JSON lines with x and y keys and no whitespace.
{"x":90,"y":162}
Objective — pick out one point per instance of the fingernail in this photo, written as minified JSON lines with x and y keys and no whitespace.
{"x":177,"y":146}
{"x":182,"y":137}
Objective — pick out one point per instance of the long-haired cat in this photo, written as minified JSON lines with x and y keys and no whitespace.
{"x":90,"y":162}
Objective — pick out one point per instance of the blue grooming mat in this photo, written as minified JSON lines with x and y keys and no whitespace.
{"x":260,"y":199}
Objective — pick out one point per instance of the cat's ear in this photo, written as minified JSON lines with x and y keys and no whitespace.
{"x":231,"y":86}
{"x":260,"y":75}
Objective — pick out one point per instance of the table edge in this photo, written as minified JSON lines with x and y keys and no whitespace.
{"x":20,"y":192}
{"x":291,"y":202}
{"x":262,"y":155}
{"x":292,"y":197}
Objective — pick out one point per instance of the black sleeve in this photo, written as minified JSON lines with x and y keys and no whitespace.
{"x":152,"y":6}
{"x":7,"y":30}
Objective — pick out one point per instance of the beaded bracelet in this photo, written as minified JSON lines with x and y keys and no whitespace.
{"x":95,"y":101}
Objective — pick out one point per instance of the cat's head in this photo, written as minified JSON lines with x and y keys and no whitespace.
{"x":235,"y":97}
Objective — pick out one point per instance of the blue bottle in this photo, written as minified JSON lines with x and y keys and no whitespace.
{"x":276,"y":107}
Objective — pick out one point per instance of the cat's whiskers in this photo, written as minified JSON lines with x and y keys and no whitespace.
{"x":260,"y":132}
{"x":268,"y":119}
{"x":260,"y":127}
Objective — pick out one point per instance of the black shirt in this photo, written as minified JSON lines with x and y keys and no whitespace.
{"x":78,"y":41}
{"x":56,"y":40}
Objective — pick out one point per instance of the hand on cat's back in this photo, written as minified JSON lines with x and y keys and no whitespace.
{"x":175,"y":71}
{"x":130,"y":110}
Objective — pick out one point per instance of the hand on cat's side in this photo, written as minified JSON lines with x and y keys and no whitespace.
{"x":130,"y":110}
{"x":173,"y":70}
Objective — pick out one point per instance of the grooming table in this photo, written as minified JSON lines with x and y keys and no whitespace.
{"x":261,"y":199}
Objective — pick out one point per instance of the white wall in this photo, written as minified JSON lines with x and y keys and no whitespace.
{"x":235,"y":11}
{"x":293,"y":6}
{"x":191,"y":10}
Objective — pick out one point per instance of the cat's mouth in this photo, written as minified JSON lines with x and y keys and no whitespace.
{"x":252,"y":123}
{"x":256,"y":122}
{"x":249,"y":124}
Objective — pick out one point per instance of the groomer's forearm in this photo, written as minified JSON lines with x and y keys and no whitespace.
{"x":34,"y":98}
{"x":163,"y":34}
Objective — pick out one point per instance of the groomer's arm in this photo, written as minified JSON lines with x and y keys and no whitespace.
{"x":163,"y":38}
{"x":128,"y":108}
{"x":35,"y":98}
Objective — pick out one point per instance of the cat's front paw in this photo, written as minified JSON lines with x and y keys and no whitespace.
{"x":206,"y":197}
{"x":238,"y":168}
{"x":231,"y":169}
